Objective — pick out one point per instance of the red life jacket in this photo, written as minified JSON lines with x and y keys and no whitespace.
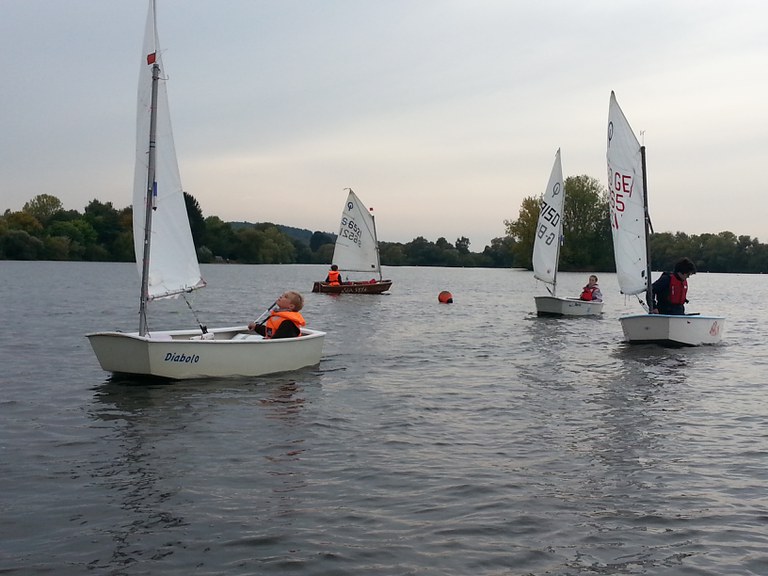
{"x":334,"y":277}
{"x":678,"y":289}
{"x":278,"y":317}
{"x":587,"y":292}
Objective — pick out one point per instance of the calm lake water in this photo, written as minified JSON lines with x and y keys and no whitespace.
{"x":432,"y":439}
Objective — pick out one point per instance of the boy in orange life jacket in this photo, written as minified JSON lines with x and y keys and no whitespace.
{"x":334,"y":276}
{"x":591,"y":291}
{"x":285,"y":321}
{"x":671,"y":289}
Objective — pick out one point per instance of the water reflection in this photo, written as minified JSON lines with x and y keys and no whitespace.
{"x":208,"y":442}
{"x":132,"y":473}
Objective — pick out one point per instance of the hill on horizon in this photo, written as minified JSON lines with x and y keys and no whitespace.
{"x":300,"y":234}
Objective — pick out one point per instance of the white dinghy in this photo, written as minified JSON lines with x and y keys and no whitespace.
{"x":165,"y":255}
{"x":546,"y":252}
{"x":630,"y":224}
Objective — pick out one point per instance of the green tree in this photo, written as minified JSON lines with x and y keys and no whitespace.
{"x":422,"y":252}
{"x":79,"y":233}
{"x":23,"y":221}
{"x":20,"y":245}
{"x":196,"y":220}
{"x":264,"y":244}
{"x":106,"y":221}
{"x":586,"y":226}
{"x":220,"y":239}
{"x":43,"y":207}
{"x":523,"y":231}
{"x":319,"y":239}
{"x":323,"y":255}
{"x":501,"y":252}
{"x":392,"y":254}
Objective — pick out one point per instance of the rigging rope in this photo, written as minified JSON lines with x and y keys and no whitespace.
{"x":202,"y":327}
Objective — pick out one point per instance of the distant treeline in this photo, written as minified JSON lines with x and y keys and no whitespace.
{"x":43,"y":230}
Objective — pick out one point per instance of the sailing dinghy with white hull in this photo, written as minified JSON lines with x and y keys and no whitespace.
{"x":356,"y":251}
{"x":630,"y":224}
{"x":546,"y":252}
{"x":166,"y":258}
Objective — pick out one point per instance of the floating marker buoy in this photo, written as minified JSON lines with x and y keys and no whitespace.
{"x":445,"y":297}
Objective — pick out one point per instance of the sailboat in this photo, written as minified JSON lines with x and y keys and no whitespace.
{"x":356,"y":251}
{"x":546,"y":252}
{"x":630,"y":225}
{"x":165,"y":255}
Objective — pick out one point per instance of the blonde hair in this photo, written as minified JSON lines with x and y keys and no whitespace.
{"x":296,"y":299}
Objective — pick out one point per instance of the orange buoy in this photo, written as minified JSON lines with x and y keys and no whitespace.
{"x":445,"y":297}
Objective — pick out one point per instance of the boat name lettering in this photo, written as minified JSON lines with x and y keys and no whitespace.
{"x":182,"y":358}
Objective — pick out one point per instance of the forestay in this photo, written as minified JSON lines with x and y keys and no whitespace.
{"x":628,"y":217}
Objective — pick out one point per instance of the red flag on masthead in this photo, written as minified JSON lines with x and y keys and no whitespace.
{"x":151,"y":58}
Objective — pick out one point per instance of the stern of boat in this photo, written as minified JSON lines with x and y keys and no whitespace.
{"x":672,"y":330}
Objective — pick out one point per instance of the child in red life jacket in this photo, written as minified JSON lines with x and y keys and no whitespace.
{"x":671,"y":289}
{"x":285,"y":321}
{"x":591,"y":291}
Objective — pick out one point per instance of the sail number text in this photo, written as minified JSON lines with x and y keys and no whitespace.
{"x":349,"y":229}
{"x":548,"y":214}
{"x":620,"y":186}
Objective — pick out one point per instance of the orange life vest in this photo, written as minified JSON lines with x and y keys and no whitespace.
{"x":334,"y":277}
{"x":278,"y":317}
{"x":678,"y":290}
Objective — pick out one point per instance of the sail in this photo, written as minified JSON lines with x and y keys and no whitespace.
{"x":356,"y":246}
{"x":173,"y":266}
{"x":625,"y":185}
{"x":546,"y":246}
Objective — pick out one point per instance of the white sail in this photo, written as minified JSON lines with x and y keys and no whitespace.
{"x":173,"y":266}
{"x":628,"y":218}
{"x":166,"y":257}
{"x":546,"y":246}
{"x":356,"y":248}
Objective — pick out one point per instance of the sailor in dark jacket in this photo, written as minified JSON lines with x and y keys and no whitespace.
{"x":671,"y":289}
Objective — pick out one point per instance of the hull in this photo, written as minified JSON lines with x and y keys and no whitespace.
{"x":672,"y":330}
{"x":224,"y":352}
{"x":353,"y":287}
{"x":553,"y":306}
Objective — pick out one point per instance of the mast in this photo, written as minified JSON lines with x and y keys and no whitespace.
{"x":559,"y":234}
{"x":376,"y":243}
{"x":557,"y":258}
{"x":647,"y":218}
{"x":149,"y":205}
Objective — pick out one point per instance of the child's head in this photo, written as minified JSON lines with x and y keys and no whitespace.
{"x":685,"y":266}
{"x":334,"y":267}
{"x":593,"y":279}
{"x":292,"y":300}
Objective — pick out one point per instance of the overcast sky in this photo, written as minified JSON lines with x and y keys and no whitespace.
{"x":442,"y":115}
